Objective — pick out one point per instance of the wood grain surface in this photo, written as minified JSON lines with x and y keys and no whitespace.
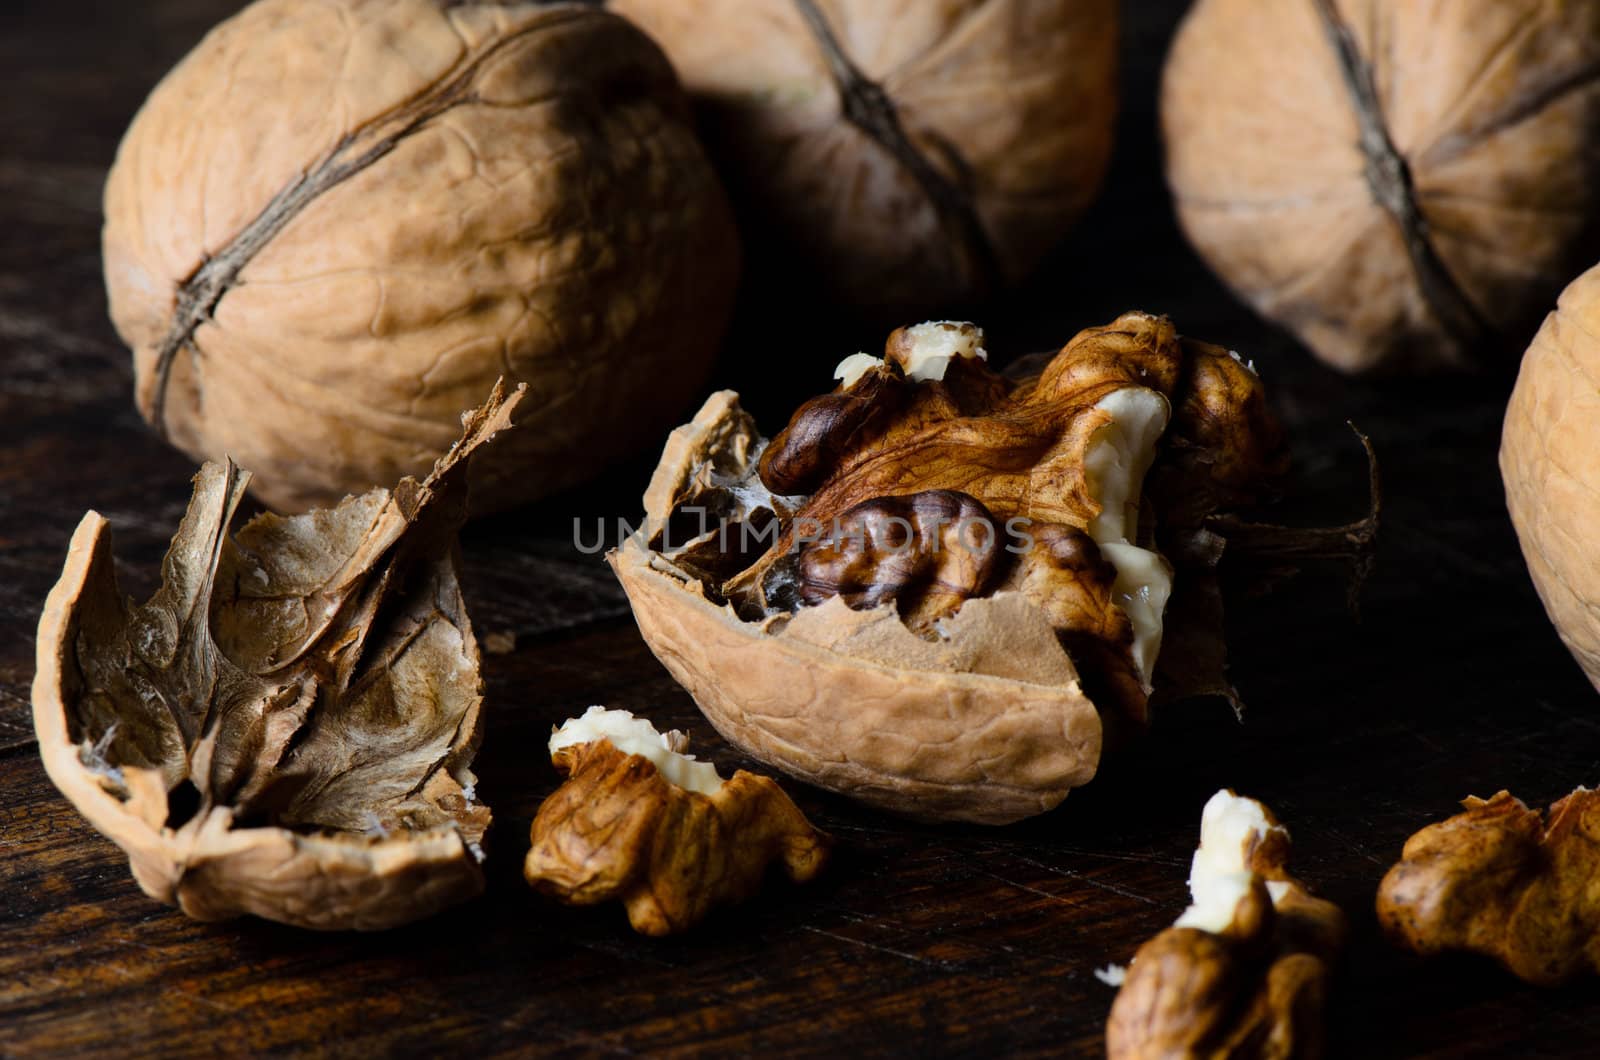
{"x":922,"y":940}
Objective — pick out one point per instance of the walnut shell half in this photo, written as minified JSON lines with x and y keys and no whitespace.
{"x":285,"y":728}
{"x":337,"y":222}
{"x":989,"y":726}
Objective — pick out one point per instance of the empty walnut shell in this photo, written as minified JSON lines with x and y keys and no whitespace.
{"x":914,"y":154}
{"x":1550,"y":461}
{"x":1402,"y":185}
{"x":336,"y":223}
{"x":285,"y":728}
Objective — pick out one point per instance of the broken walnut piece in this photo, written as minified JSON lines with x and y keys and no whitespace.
{"x":1244,"y":971}
{"x":1503,"y":880}
{"x":285,"y":727}
{"x":640,"y":822}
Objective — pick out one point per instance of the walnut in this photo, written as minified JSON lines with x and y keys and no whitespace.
{"x":919,"y":551}
{"x":1244,"y":971}
{"x":1401,"y":185}
{"x":285,"y":728}
{"x":912,"y":155}
{"x":962,"y":580}
{"x":1066,"y":576}
{"x":336,"y":223}
{"x":1551,"y":472}
{"x":640,"y":822}
{"x":1504,"y":881}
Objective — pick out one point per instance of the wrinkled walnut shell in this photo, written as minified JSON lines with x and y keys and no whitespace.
{"x":336,"y":223}
{"x":1550,"y":462}
{"x":912,"y":155}
{"x":1401,"y":185}
{"x":285,"y":728}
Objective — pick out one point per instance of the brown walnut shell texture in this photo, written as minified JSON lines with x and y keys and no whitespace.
{"x":1550,"y":462}
{"x":309,"y":683}
{"x":990,"y":728}
{"x":618,"y":830}
{"x":917,"y":153}
{"x":335,"y":224}
{"x":1505,"y":881}
{"x":1403,"y":184}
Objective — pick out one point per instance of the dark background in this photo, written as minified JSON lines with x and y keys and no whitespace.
{"x":948,"y":939}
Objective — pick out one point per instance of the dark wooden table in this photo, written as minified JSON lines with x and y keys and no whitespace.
{"x":920,"y":939}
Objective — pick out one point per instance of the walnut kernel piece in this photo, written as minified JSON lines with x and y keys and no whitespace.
{"x":929,"y":553}
{"x":641,"y":822}
{"x":1503,"y":880}
{"x":1116,"y":464}
{"x":1244,"y":971}
{"x":1069,"y":449}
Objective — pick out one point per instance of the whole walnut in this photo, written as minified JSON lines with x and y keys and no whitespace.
{"x":915,"y":153}
{"x":1402,"y":184}
{"x":335,"y":224}
{"x":1550,"y":461}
